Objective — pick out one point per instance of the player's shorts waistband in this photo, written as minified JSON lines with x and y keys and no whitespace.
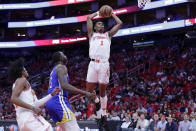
{"x":99,"y":60}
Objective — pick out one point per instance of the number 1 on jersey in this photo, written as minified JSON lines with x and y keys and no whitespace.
{"x":101,"y":43}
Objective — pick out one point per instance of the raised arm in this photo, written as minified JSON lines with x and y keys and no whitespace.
{"x":118,"y":25}
{"x":61,"y":72}
{"x":90,"y":24}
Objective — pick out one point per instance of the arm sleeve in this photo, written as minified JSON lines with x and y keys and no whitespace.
{"x":42,"y":101}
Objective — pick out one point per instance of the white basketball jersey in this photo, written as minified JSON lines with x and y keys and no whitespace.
{"x":27,"y":97}
{"x":99,"y":46}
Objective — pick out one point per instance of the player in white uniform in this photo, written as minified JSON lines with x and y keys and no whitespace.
{"x":25,"y":101}
{"x":99,"y":53}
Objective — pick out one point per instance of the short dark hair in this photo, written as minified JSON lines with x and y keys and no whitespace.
{"x":96,"y":21}
{"x":15,"y":69}
{"x":56,"y":57}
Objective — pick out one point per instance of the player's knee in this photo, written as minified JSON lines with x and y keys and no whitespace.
{"x":102,"y":93}
{"x":90,"y":86}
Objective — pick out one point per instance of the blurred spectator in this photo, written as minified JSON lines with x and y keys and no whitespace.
{"x":142,"y":123}
{"x":154,"y":123}
{"x":134,"y":120}
{"x":162,"y":123}
{"x":183,"y":108}
{"x":164,"y":109}
{"x":84,"y":117}
{"x":149,"y":108}
{"x":193,"y":123}
{"x":91,"y":108}
{"x":126,"y":123}
{"x":185,"y":124}
{"x":171,"y":126}
{"x":141,"y":109}
{"x":115,"y":116}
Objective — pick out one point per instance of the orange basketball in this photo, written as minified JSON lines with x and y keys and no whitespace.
{"x":105,"y":11}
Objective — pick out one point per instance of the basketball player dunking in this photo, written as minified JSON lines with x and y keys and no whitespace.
{"x":99,"y":53}
{"x":25,"y":101}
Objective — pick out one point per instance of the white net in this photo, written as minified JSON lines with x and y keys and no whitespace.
{"x":142,"y":3}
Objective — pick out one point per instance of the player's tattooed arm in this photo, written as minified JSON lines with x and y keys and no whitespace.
{"x":90,"y":23}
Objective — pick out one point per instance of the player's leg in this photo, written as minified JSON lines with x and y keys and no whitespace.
{"x":90,"y":86}
{"x":103,"y":77}
{"x":39,"y":125}
{"x":103,"y":98}
{"x":70,"y":126}
{"x":33,"y":122}
{"x":92,"y":77}
{"x":45,"y":124}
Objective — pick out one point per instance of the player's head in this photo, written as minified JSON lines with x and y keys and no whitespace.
{"x":59,"y":57}
{"x":16,"y":70}
{"x":98,"y":26}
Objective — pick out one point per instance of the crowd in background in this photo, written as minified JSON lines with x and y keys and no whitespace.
{"x":159,"y":123}
{"x":163,"y":87}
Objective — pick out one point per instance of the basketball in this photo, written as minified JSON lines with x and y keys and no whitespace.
{"x":105,"y":11}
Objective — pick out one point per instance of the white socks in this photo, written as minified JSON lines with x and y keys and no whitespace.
{"x":96,"y":100}
{"x":104,"y":104}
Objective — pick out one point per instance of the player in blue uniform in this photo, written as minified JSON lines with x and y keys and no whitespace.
{"x":58,"y":106}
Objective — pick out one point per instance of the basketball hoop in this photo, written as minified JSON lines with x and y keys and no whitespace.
{"x":142,"y":3}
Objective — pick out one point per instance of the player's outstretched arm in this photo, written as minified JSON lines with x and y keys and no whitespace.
{"x":90,"y":24}
{"x":61,"y":72}
{"x":41,"y":102}
{"x":20,"y":85}
{"x":115,"y":29}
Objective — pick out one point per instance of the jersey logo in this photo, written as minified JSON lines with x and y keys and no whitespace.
{"x":101,"y":43}
{"x":99,"y":37}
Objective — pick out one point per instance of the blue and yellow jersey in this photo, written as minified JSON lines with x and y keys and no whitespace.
{"x":58,"y":106}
